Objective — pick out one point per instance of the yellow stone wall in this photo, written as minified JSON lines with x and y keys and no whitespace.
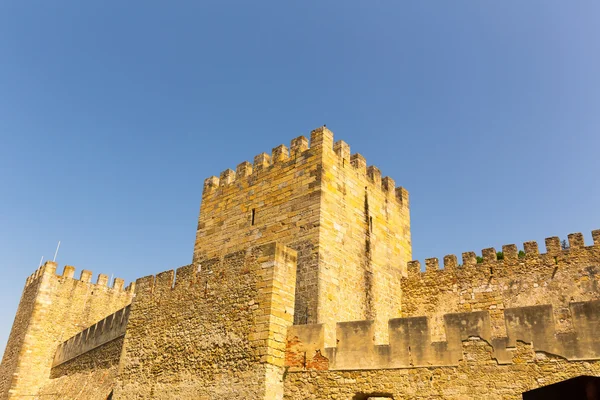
{"x":351,"y":228}
{"x":477,"y":376}
{"x":214,"y":331}
{"x":52,"y":309}
{"x":90,"y":376}
{"x":284,"y":192}
{"x":364,"y":242}
{"x":557,"y":277}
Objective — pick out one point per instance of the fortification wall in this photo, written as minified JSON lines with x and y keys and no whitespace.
{"x":14,"y":346}
{"x":52,"y":309}
{"x":477,"y":376}
{"x":350,"y":226}
{"x":275,"y":199}
{"x":364,"y":242}
{"x":469,"y":364}
{"x":212,"y":330}
{"x":103,"y":331}
{"x":90,"y":375}
{"x":86,"y":365}
{"x":557,"y":277}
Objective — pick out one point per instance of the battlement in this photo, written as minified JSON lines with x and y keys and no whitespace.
{"x":102,"y":332}
{"x":200,"y":277}
{"x":49,"y":268}
{"x":167,"y":280}
{"x":300,"y":151}
{"x":491,"y":265}
{"x":410,"y":343}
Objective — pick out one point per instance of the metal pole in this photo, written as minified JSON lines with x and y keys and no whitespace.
{"x":55,"y":253}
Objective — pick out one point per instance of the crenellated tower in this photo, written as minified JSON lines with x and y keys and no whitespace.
{"x":350,"y":227}
{"x":52,"y":309}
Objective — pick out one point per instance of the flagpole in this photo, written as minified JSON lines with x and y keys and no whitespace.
{"x":57,"y":247}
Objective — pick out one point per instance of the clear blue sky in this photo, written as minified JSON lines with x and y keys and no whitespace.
{"x":113,"y":113}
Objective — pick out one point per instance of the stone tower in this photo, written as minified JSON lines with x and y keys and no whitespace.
{"x":52,"y":309}
{"x":350,"y":227}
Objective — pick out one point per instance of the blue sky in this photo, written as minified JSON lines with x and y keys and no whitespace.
{"x":113,"y":113}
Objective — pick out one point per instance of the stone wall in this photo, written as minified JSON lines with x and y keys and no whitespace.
{"x":103,"y":331}
{"x":12,"y":354}
{"x":557,"y":277}
{"x":52,"y":309}
{"x":477,"y":376}
{"x":275,"y":199}
{"x":89,"y":376}
{"x":350,"y":226}
{"x":216,"y":330}
{"x":469,"y":364}
{"x":364,"y":242}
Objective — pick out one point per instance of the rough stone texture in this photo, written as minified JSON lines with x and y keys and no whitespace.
{"x":477,"y":376}
{"x":219,"y":332}
{"x":364,"y":241}
{"x":93,"y":384}
{"x":270,"y":201}
{"x":52,"y":309}
{"x":104,"y":356}
{"x":351,"y":228}
{"x":411,"y":345}
{"x":90,"y":376}
{"x":558,"y":277}
{"x":103,"y":331}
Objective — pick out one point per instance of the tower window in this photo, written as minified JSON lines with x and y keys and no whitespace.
{"x":253,"y":215}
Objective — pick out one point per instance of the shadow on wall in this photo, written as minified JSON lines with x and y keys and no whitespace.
{"x":579,"y":388}
{"x":372,"y":396}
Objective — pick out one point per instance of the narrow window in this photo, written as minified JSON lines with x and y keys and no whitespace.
{"x":371,"y":224}
{"x":253,"y":215}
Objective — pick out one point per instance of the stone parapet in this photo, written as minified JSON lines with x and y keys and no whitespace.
{"x":102,"y":332}
{"x":530,"y":256}
{"x":281,"y":157}
{"x":411,"y":346}
{"x":49,"y":267}
{"x":494,"y":282}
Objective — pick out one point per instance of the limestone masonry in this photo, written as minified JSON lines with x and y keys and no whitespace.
{"x":301,"y":286}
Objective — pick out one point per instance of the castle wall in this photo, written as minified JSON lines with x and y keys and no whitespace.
{"x":351,"y":228}
{"x":477,"y":376}
{"x":12,"y":354}
{"x":364,"y":242}
{"x":216,"y":330}
{"x":557,"y":277}
{"x":275,"y":199}
{"x":470,"y":364}
{"x":90,"y":375}
{"x":102,"y":332}
{"x":52,"y":309}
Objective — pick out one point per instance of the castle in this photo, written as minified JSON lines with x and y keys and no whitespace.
{"x":302,"y":286}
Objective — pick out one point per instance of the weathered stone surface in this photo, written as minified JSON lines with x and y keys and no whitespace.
{"x":556,"y":278}
{"x":52,"y":309}
{"x":411,"y":344}
{"x":221,"y":334}
{"x":476,"y":376}
{"x":350,"y":228}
